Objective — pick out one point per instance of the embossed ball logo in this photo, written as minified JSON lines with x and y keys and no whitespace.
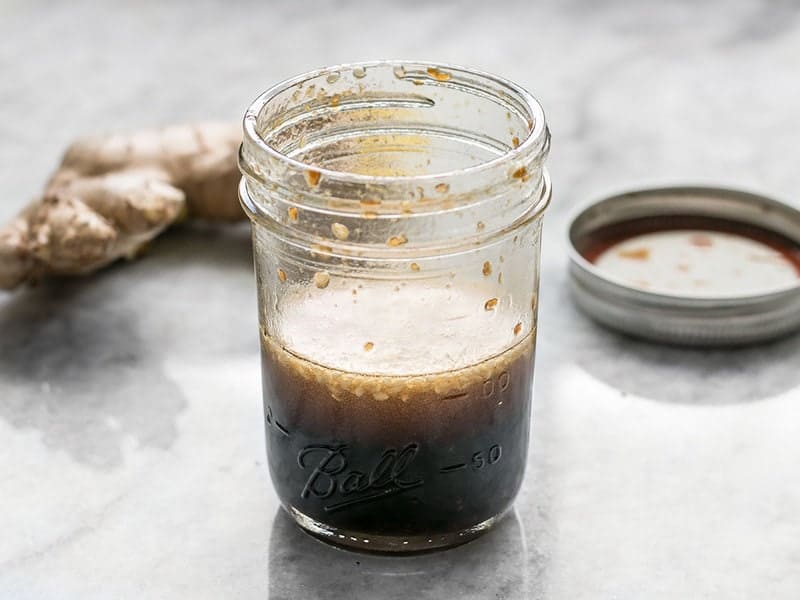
{"x":331,"y":479}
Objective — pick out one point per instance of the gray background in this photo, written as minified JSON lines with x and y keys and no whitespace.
{"x":132,"y":461}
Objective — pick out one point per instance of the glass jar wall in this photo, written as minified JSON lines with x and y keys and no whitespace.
{"x":397,"y":212}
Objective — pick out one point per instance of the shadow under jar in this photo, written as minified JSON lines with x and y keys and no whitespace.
{"x":397,"y":212}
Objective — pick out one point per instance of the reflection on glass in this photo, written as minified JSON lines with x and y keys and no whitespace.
{"x":493,"y":566}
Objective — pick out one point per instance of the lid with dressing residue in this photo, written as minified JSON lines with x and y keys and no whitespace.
{"x":695,"y":266}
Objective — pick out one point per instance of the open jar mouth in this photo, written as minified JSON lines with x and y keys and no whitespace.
{"x":518,"y":103}
{"x":398,"y":144}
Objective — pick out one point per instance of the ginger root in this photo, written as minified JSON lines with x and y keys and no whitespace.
{"x":113,"y":194}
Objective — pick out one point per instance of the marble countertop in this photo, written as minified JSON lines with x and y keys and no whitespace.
{"x":130,"y":418}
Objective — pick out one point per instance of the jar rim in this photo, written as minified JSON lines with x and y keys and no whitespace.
{"x":536,"y":142}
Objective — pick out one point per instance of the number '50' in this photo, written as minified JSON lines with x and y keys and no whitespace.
{"x":481,"y":459}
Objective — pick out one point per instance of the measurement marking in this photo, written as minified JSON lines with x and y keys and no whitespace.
{"x":271,"y":420}
{"x":452,"y":468}
{"x":281,"y":428}
{"x":369,"y":497}
{"x":456,"y":396}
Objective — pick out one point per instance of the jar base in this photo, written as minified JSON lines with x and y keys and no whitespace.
{"x":353,"y":540}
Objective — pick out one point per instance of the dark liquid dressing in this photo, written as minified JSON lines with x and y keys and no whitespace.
{"x":398,"y":455}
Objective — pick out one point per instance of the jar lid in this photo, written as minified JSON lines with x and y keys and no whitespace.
{"x":697,"y":266}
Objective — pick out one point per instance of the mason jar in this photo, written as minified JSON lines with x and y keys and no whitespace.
{"x":397,"y":211}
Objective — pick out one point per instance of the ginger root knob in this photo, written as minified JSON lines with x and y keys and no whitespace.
{"x":113,"y":194}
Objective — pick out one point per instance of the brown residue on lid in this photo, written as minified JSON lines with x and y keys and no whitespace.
{"x":701,"y":241}
{"x":772,"y":257}
{"x":635,"y":253}
{"x":490,"y":304}
{"x":487,"y":268}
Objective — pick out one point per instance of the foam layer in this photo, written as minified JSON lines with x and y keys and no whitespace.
{"x":461,"y":387}
{"x":382,"y":328}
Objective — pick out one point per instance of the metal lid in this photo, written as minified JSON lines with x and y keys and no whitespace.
{"x":689,"y":265}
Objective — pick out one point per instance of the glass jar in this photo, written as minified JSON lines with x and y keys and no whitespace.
{"x":397,"y":211}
